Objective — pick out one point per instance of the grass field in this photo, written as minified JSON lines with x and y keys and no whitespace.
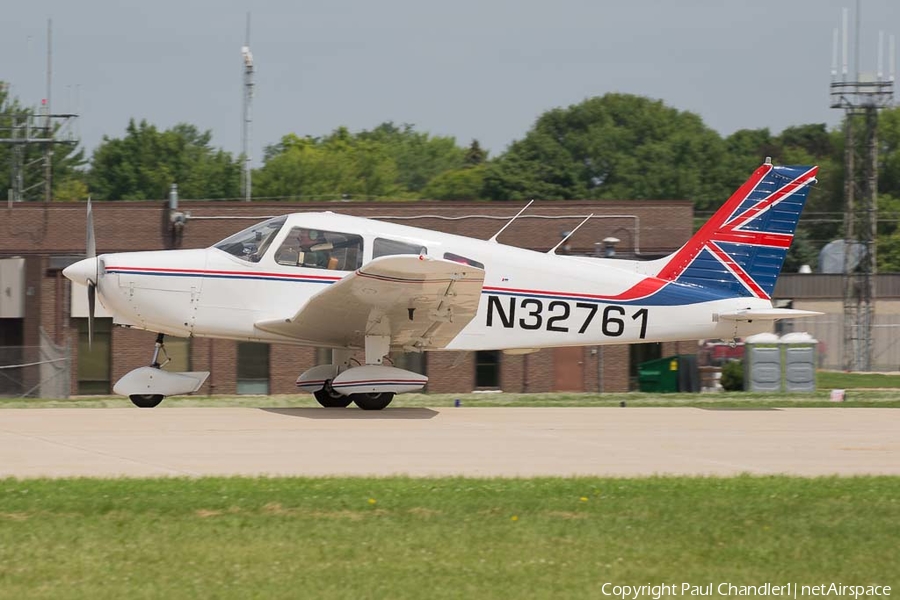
{"x":438,"y":538}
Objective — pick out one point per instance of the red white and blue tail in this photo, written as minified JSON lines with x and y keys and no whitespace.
{"x":741,"y":249}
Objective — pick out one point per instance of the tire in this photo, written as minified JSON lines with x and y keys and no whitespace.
{"x":146,"y":400}
{"x":372,"y":401}
{"x":330,"y":399}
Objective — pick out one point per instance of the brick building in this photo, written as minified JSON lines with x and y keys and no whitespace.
{"x":37,"y":307}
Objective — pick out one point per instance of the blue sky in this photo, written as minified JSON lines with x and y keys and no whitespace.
{"x":471,"y":68}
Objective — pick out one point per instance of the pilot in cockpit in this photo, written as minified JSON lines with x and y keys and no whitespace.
{"x":313,"y":249}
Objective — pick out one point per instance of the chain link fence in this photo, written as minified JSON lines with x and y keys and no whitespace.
{"x":35,"y":371}
{"x":829,"y":330}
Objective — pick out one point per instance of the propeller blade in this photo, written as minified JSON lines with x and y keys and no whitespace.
{"x":92,"y":293}
{"x":91,"y":252}
{"x":91,"y":242}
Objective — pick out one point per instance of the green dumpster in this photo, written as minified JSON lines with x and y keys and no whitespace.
{"x":671,"y":374}
{"x":660,"y":375}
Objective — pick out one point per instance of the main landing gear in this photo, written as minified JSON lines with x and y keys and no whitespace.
{"x":328,"y":398}
{"x":370,"y":387}
{"x":371,"y":401}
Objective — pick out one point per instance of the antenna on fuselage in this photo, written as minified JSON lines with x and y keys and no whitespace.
{"x":569,"y":235}
{"x":510,"y":222}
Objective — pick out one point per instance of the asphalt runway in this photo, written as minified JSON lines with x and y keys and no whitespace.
{"x":450,"y":441}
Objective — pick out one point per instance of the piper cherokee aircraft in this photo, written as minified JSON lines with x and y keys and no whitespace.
{"x":359,"y":285}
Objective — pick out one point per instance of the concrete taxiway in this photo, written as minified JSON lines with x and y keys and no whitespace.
{"x":450,"y":441}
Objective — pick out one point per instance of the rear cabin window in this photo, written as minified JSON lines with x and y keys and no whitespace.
{"x":463,"y":260}
{"x":317,"y":249}
{"x":386,"y":247}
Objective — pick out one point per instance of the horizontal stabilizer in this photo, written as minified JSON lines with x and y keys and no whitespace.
{"x":765,"y":314}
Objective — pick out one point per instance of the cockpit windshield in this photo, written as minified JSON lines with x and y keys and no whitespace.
{"x":251,"y":243}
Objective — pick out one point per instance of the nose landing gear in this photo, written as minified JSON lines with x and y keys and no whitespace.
{"x":146,"y":387}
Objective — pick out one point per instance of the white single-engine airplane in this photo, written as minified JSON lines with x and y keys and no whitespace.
{"x":353,"y":284}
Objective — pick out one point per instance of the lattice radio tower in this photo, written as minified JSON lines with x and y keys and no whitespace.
{"x":42,"y":129}
{"x":860,"y":97}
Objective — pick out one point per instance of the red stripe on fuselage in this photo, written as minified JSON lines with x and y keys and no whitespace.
{"x":202,"y":272}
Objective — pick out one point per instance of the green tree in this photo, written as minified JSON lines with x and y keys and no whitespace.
{"x":386,"y":162}
{"x":143,"y":165}
{"x":614,"y":146}
{"x":419,"y":156}
{"x":337,"y":166}
{"x":475,"y":155}
{"x":459,"y":184}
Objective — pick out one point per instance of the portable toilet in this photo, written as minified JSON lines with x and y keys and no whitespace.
{"x":762,"y":363}
{"x":799,"y":350}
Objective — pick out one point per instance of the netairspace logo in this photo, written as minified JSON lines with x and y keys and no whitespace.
{"x":787,"y":590}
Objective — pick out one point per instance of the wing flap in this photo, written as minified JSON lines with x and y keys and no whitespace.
{"x":421,"y":303}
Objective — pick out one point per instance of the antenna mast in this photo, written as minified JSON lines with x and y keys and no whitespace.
{"x":40,"y":128}
{"x":246,"y":181}
{"x":861,"y":97}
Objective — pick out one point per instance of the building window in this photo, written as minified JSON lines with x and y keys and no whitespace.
{"x":252,"y":368}
{"x":411,"y":361}
{"x":487,"y":369}
{"x":94,"y":360}
{"x":178,"y":351}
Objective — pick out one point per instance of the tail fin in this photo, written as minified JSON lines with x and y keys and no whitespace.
{"x":741,"y":249}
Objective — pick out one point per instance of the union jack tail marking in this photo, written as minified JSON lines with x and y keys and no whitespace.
{"x":741,"y":249}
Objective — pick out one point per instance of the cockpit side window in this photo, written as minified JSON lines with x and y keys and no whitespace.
{"x":251,"y":243}
{"x":317,"y":249}
{"x":386,"y":247}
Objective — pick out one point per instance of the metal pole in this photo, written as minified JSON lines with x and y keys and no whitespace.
{"x":248,"y":99}
{"x":48,"y":149}
{"x":850,"y":295}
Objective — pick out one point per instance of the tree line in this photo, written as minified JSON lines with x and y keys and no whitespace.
{"x":616,"y":146}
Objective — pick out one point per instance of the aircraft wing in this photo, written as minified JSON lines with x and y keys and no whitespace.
{"x":420,"y":302}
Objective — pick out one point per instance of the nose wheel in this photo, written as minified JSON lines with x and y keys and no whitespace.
{"x":146,"y":400}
